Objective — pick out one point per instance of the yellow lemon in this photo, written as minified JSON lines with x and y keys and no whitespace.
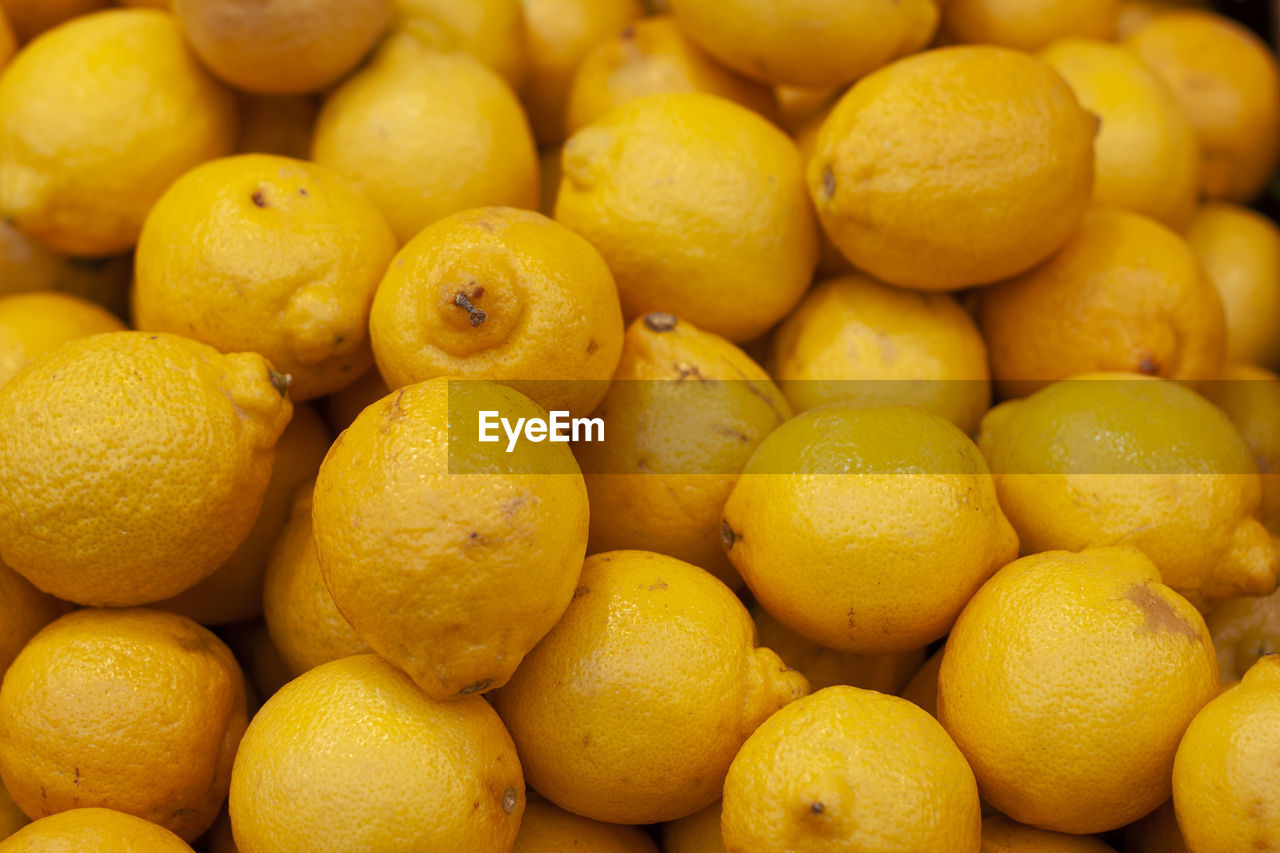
{"x":493,"y":31}
{"x":133,"y":465}
{"x":505,"y":295}
{"x":32,"y":324}
{"x":632,"y":708}
{"x":261,"y":253}
{"x":697,"y":833}
{"x":1125,"y":294}
{"x":1146,"y":157}
{"x":1026,"y":25}
{"x":856,"y":341}
{"x":459,"y":600}
{"x":866,"y":530}
{"x":548,"y":829}
{"x":1240,"y":250}
{"x":559,"y":33}
{"x":135,"y":710}
{"x":852,"y":770}
{"x":1227,"y":81}
{"x":284,"y":46}
{"x":729,"y":246}
{"x":81,"y":178}
{"x":1228,"y":767}
{"x":685,"y":412}
{"x":305,"y":624}
{"x":807,"y":42}
{"x":99,"y":830}
{"x":1068,"y":681}
{"x":1251,"y":398}
{"x":1115,"y":459}
{"x":425,"y":134}
{"x":352,"y":756}
{"x":648,"y":57}
{"x":954,"y":167}
{"x":234,"y":591}
{"x":1001,"y":835}
{"x":823,"y":667}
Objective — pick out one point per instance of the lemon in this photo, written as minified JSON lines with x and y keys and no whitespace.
{"x":424,"y":134}
{"x":285,"y":46}
{"x":352,"y":756}
{"x":954,"y":167}
{"x":133,"y":465}
{"x":32,"y":324}
{"x":449,"y":558}
{"x":1228,"y":765}
{"x":1124,"y":294}
{"x":101,"y":830}
{"x":729,"y":246}
{"x":632,"y":708}
{"x":1146,"y":156}
{"x":1068,"y":681}
{"x":505,"y":295}
{"x":1026,"y":25}
{"x":266,"y":254}
{"x":866,"y":530}
{"x":850,"y":769}
{"x":81,"y":178}
{"x":810,"y":42}
{"x":1240,"y":251}
{"x":135,"y":710}
{"x":1228,"y":82}
{"x":1115,"y":459}
{"x":685,"y":412}
{"x":856,"y":341}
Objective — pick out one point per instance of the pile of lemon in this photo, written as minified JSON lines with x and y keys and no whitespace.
{"x":938,"y":506}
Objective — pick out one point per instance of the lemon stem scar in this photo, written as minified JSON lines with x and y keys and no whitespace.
{"x":477,"y":316}
{"x":279,"y":381}
{"x":660,"y":322}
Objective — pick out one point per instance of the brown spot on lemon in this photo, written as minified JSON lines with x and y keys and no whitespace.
{"x":1159,"y":615}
